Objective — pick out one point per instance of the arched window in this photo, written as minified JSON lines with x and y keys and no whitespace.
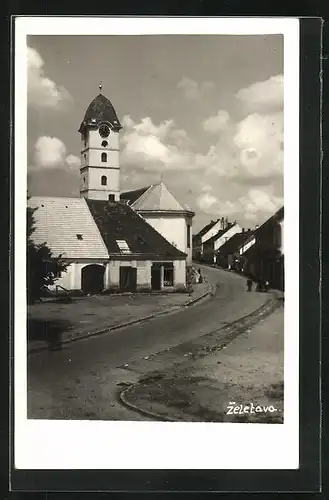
{"x":104,"y":180}
{"x":104,"y":157}
{"x":105,"y":144}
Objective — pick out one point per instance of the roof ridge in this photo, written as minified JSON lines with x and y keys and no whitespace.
{"x":142,"y":196}
{"x":169,"y":191}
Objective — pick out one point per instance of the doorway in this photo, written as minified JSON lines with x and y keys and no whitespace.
{"x":92,"y":278}
{"x":128,"y":279}
{"x":156,"y":276}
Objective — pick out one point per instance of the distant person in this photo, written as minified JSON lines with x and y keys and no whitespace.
{"x":249,"y":284}
{"x":266,"y":286}
{"x":200,"y":276}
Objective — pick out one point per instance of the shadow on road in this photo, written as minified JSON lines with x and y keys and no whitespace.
{"x":47,"y":331}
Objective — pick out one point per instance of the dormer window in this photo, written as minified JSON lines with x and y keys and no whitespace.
{"x":79,"y":237}
{"x":104,"y":157}
{"x":123,"y":246}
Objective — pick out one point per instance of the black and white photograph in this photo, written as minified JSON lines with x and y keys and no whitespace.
{"x":153,"y":193}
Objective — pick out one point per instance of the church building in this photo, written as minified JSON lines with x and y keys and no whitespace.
{"x":133,"y":241}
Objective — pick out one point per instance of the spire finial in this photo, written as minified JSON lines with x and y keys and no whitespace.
{"x":161,"y":177}
{"x":100,"y":87}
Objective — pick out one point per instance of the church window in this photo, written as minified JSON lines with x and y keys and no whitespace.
{"x":104,"y":180}
{"x":104,"y":157}
{"x":105,"y":144}
{"x":111,"y":197}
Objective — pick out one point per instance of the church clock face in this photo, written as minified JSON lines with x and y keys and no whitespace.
{"x":104,"y":131}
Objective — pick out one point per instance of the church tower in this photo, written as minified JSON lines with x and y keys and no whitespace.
{"x":100,"y":167}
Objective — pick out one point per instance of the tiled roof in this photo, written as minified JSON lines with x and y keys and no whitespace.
{"x":158,"y":198}
{"x":100,"y":110}
{"x":117,"y":221}
{"x":132,"y":196}
{"x":58,"y":221}
{"x":218,"y":234}
{"x":205,"y":229}
{"x":234,"y":243}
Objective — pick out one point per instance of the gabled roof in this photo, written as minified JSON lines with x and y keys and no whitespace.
{"x":100,"y":110}
{"x":205,"y":229}
{"x":117,"y":221}
{"x":158,"y":198}
{"x":234,"y":243}
{"x":218,"y":234}
{"x":58,"y":221}
{"x":132,"y":196}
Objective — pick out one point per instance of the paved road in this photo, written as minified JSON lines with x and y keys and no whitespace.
{"x":81,"y":381}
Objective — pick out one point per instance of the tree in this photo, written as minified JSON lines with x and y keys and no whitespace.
{"x":43,"y":269}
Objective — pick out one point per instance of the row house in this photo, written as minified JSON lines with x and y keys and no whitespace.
{"x":212,"y":246}
{"x":262,"y":255}
{"x":228,"y":255}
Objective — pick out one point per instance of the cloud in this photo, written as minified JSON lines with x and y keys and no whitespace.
{"x":216,"y":123}
{"x":194,"y":90}
{"x":73,"y":162}
{"x":42,"y":91}
{"x":259,"y":139}
{"x":50,"y":153}
{"x":263,"y":96}
{"x":155,"y":147}
{"x":254,"y":205}
{"x":207,"y":202}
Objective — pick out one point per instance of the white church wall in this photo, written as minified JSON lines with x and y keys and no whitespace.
{"x":174,"y":229}
{"x":95,"y":140}
{"x":95,"y":158}
{"x":112,"y":176}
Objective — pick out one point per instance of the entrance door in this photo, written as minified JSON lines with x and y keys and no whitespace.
{"x":128,"y":279}
{"x":92,"y":278}
{"x":156,"y":277}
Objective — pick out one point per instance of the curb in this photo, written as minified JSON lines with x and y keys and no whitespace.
{"x":147,"y":413}
{"x":276,"y":303}
{"x":209,"y":291}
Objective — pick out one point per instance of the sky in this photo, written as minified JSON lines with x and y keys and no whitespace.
{"x":202,"y":113}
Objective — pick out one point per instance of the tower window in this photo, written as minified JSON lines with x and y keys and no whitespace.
{"x":105,"y":144}
{"x":104,"y":157}
{"x":111,"y":197}
{"x":104,"y":180}
{"x":84,"y":180}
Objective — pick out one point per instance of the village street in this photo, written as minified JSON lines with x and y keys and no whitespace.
{"x":85,"y":378}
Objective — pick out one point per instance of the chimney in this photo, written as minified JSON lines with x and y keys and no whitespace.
{"x":257,"y":226}
{"x":248,"y":229}
{"x":243,"y":229}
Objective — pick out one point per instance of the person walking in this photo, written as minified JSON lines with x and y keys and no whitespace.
{"x":249,"y":284}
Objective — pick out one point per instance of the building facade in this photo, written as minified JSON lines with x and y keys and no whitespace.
{"x":158,"y":206}
{"x":135,"y":241}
